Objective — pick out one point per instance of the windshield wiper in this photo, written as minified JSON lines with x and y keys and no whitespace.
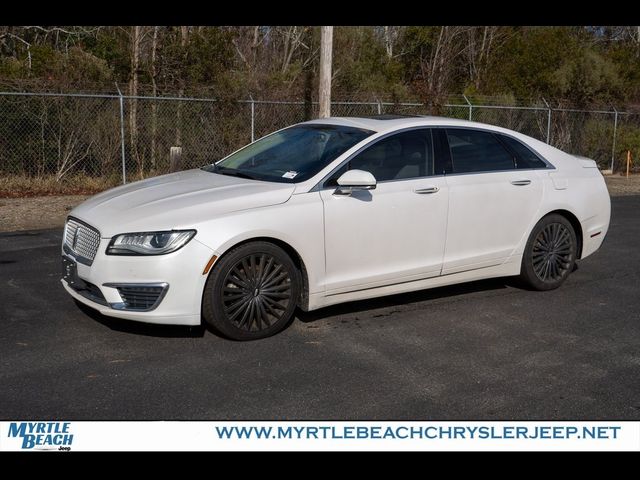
{"x":233,"y":173}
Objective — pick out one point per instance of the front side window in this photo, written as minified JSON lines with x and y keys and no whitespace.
{"x":476,"y":151}
{"x":291,"y":155}
{"x":398,"y":157}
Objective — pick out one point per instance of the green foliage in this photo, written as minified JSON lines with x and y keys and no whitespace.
{"x":113,"y":47}
{"x":46,"y":62}
{"x":12,"y":68}
{"x":359,"y":69}
{"x":208,"y":56}
{"x":628,"y":139}
{"x":527,"y":63}
{"x":626,"y":56}
{"x":580,"y":66}
{"x":588,"y":78}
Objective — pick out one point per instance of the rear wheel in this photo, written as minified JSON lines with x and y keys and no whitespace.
{"x":550,"y":253}
{"x":252,"y":292}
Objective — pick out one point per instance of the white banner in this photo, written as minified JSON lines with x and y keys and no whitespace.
{"x":319,"y":435}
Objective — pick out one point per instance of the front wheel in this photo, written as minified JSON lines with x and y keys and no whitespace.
{"x":252,"y":292}
{"x":550,"y":253}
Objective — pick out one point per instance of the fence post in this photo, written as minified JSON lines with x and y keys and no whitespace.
{"x":615,"y":131}
{"x":470,"y":106}
{"x":124,"y":164}
{"x":548,"y":121}
{"x":253,"y":118}
{"x":379,"y":106}
{"x":175,"y":159}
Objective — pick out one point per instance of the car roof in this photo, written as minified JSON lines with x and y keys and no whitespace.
{"x":390,"y":123}
{"x":384,"y":123}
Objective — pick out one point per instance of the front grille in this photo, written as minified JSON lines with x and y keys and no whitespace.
{"x":141,"y":297}
{"x":81,"y":240}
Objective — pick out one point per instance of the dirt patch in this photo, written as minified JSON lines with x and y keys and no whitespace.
{"x":619,"y":185}
{"x":34,"y":213}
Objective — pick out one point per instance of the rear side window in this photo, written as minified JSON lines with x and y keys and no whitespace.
{"x":476,"y":151}
{"x":525,"y":158}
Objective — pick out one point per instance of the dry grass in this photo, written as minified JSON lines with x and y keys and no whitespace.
{"x":34,"y":213}
{"x":620,"y":185}
{"x":18,"y":186}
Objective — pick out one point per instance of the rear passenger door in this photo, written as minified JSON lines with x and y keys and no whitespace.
{"x":492,"y":203}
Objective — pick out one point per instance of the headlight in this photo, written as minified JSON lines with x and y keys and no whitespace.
{"x":149,"y":243}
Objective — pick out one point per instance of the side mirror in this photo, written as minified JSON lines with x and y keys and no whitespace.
{"x":355,"y":180}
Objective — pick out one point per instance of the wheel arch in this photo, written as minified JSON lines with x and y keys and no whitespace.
{"x":303,"y":301}
{"x":575,"y":223}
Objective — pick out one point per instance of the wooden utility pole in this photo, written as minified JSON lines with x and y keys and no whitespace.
{"x":326,"y":46}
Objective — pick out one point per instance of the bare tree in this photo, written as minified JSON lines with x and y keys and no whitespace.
{"x":6,"y":33}
{"x":184,"y":41}
{"x":292,"y":38}
{"x":154,"y":92}
{"x":438,"y":62}
{"x":482,"y":42}
{"x":390,"y":36}
{"x":136,"y":38}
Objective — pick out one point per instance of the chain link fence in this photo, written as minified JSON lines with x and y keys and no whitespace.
{"x":104,"y":140}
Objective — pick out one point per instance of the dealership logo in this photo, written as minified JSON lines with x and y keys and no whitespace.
{"x":42,"y":435}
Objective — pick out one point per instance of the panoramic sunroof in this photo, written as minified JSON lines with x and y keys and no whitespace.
{"x":389,"y":117}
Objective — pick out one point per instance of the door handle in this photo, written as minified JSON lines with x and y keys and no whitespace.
{"x":424,"y":191}
{"x":520,"y":183}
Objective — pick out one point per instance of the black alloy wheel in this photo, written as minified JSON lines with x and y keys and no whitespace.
{"x":252,"y":292}
{"x":550,"y":253}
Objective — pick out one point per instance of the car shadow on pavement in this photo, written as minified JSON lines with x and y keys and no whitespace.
{"x":140,"y":328}
{"x":178,"y":331}
{"x":408,"y":298}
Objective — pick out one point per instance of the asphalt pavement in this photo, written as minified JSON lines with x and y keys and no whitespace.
{"x":484,"y":350}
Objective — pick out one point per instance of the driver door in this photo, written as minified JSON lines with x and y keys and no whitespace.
{"x":395,"y":233}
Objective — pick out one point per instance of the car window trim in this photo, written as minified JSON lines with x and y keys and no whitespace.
{"x":517,"y":156}
{"x":320,"y":185}
{"x":549,"y":165}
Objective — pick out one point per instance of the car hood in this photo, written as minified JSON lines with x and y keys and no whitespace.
{"x":176,"y":201}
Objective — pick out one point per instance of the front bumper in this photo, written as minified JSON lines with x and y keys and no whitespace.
{"x":181,"y":271}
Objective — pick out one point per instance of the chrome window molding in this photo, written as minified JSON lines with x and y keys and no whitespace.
{"x":319,"y":186}
{"x":548,"y":164}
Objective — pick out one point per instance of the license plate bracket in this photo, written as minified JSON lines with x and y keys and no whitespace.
{"x":70,"y":272}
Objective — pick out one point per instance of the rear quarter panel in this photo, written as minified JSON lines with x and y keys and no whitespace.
{"x":581,"y":191}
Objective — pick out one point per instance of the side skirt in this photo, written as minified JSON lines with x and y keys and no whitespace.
{"x":509,"y":268}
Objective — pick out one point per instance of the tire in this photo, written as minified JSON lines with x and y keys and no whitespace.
{"x":252,"y":292}
{"x":550,"y":253}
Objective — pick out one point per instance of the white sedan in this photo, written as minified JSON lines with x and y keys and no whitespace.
{"x":331,"y":211}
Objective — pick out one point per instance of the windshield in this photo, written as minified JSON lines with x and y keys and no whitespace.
{"x":291,"y":155}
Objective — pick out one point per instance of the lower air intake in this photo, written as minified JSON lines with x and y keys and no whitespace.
{"x":140,"y":297}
